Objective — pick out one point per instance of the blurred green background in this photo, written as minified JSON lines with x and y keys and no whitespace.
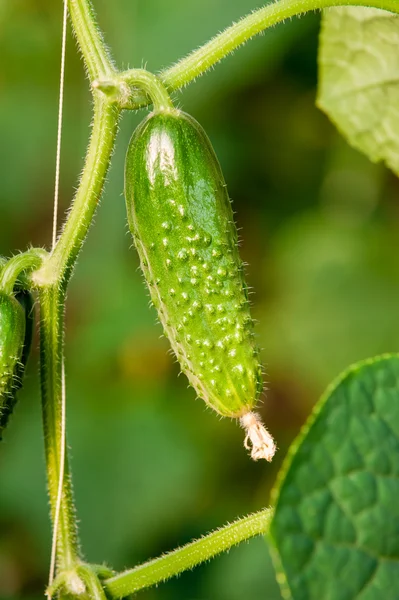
{"x":152,"y":467}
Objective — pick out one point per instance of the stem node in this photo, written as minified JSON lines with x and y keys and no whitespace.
{"x":145,"y":81}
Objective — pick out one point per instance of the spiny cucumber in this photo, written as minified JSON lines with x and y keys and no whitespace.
{"x":12,"y":336}
{"x":16,"y":323}
{"x":182,"y":223}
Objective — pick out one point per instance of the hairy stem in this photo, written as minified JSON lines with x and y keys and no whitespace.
{"x":97,"y":58}
{"x":189,"y":556}
{"x":151,"y":85}
{"x":52,"y":279}
{"x":127,"y":84}
{"x":61,"y":262}
{"x":52,"y":301}
{"x":201,"y":60}
{"x":18,"y":264}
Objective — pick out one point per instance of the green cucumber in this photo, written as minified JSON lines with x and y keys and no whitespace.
{"x":12,"y":337}
{"x":12,"y":364}
{"x":182,"y":223}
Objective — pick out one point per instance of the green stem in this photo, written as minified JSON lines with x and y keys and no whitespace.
{"x":127,"y":84}
{"x":198,"y":62}
{"x":98,"y":61}
{"x":189,"y":556}
{"x":92,"y":582}
{"x":61,"y":261}
{"x":53,"y":276}
{"x":219,"y":47}
{"x":151,"y":85}
{"x":52,"y":301}
{"x":26,"y":261}
{"x":106,"y":117}
{"x":201,"y":60}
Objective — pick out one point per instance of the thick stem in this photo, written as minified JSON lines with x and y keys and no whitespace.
{"x":52,"y":300}
{"x":98,"y":61}
{"x":61,"y":262}
{"x":189,"y":556}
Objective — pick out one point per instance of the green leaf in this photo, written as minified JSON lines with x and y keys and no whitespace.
{"x":336,"y":522}
{"x":359,"y":79}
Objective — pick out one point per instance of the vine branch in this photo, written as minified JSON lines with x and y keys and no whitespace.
{"x":17,"y":265}
{"x":189,"y":556}
{"x":201,"y":60}
{"x":52,"y":279}
{"x":61,"y":261}
{"x":96,"y":55}
{"x":52,"y":302}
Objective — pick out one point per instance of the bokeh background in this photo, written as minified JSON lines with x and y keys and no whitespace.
{"x":152,"y":467}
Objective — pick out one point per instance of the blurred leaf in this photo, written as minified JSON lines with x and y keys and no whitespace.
{"x":336,"y":521}
{"x":359,"y":79}
{"x":336,"y":293}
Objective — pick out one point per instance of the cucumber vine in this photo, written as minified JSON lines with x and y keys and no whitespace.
{"x":49,"y":274}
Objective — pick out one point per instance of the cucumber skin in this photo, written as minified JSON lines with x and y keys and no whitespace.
{"x":12,"y":336}
{"x":26,"y":300}
{"x":11,"y":378}
{"x":182,"y":223}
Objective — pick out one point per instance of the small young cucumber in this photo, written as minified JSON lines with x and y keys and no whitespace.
{"x":12,"y":337}
{"x":26,"y":300}
{"x":182,"y":223}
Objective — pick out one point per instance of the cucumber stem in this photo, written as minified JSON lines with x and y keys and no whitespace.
{"x":18,"y":264}
{"x":258,"y":440}
{"x":151,"y":85}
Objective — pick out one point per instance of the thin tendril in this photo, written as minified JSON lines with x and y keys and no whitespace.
{"x":59,"y":129}
{"x":60,"y":481}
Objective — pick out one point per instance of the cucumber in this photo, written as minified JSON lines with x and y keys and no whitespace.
{"x":13,"y":358}
{"x":181,"y":219}
{"x":12,"y":337}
